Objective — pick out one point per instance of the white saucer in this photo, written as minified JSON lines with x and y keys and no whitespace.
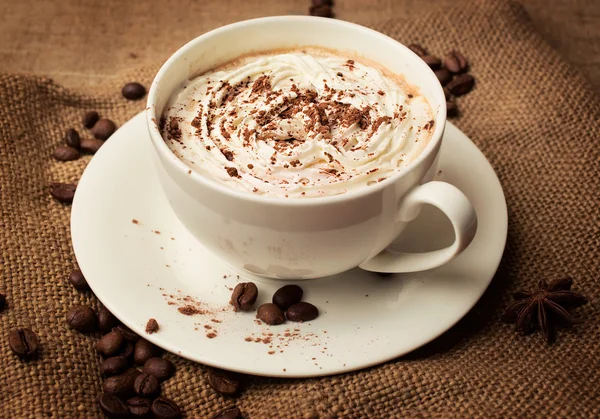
{"x":364,"y":319}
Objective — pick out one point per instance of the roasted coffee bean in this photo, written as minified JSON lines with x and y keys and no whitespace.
{"x":302,"y":312}
{"x":321,"y":11}
{"x":121,"y":384}
{"x":270,"y":314}
{"x":23,"y":342}
{"x":163,"y":408}
{"x":82,"y":318}
{"x":112,"y":406}
{"x":287,"y":295}
{"x":127,"y":351}
{"x":145,"y":350}
{"x":91,"y":145}
{"x":455,"y":62}
{"x":110,"y":344}
{"x":127,"y":333}
{"x":114,"y":365}
{"x":152,"y":326}
{"x":2,"y":302}
{"x":72,"y":138}
{"x":447,"y":93}
{"x":103,"y":129}
{"x":77,"y":279}
{"x":244,"y":296}
{"x":65,"y":153}
{"x":146,"y":385}
{"x":133,"y":91}
{"x":443,"y":75}
{"x":451,"y":109}
{"x":106,"y":320}
{"x":63,"y":192}
{"x":139,"y":407}
{"x":432,"y":61}
{"x":224,"y":382}
{"x":228,"y":413}
{"x":461,"y":85}
{"x":90,"y":118}
{"x":418,"y":49}
{"x":159,"y":367}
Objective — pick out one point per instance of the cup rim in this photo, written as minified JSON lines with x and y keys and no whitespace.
{"x":161,"y":147}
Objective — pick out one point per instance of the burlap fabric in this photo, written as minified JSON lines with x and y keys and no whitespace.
{"x":533,"y":117}
{"x":83,"y":42}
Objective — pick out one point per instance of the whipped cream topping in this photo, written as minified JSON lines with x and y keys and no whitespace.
{"x":297,"y":124}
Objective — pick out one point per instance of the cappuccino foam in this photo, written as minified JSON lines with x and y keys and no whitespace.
{"x":302,"y":123}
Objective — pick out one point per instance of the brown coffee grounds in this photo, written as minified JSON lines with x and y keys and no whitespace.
{"x":197,"y":121}
{"x":173,"y":131}
{"x":152,"y":326}
{"x":190,"y":306}
{"x":228,"y":154}
{"x":261,"y":85}
{"x":232,"y":171}
{"x":283,"y":339}
{"x":224,"y":132}
{"x":190,"y":310}
{"x":429,"y":125}
{"x":381,"y":120}
{"x":211,"y":335}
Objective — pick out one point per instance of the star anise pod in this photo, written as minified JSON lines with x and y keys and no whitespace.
{"x":545,"y":307}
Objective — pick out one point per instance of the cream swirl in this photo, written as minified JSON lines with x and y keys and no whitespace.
{"x":297,"y":124}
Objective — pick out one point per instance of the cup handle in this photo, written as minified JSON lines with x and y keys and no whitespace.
{"x":454,"y":204}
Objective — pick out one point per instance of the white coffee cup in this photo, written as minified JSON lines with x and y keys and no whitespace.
{"x":311,"y":237}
